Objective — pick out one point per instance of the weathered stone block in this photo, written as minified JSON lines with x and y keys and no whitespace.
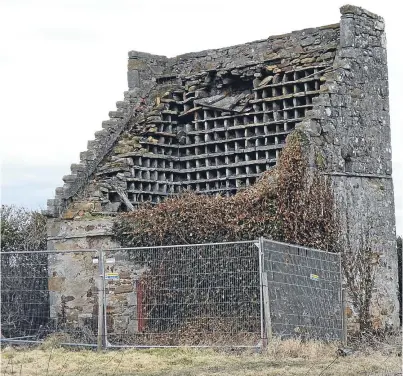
{"x":347,"y":32}
{"x":56,"y":283}
{"x":122,"y":289}
{"x":133,"y":79}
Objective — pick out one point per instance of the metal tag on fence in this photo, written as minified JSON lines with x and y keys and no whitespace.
{"x":112,"y":276}
{"x":314,"y":277}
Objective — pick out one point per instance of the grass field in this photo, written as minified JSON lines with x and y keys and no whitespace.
{"x":282,"y":358}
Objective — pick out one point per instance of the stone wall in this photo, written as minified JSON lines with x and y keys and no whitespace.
{"x":74,"y":280}
{"x":282,"y":50}
{"x":349,"y":132}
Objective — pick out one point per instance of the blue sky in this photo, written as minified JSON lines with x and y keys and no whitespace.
{"x":63,"y":67}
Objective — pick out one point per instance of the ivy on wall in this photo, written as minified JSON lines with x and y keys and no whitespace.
{"x":288,"y":203}
{"x":305,"y":203}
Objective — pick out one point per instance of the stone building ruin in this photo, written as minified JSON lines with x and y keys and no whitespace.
{"x":213,"y":121}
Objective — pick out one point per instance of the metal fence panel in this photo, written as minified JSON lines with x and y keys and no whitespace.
{"x":42,"y":295}
{"x":24,"y":294}
{"x":194,"y":295}
{"x":304,"y":289}
{"x":197,"y":295}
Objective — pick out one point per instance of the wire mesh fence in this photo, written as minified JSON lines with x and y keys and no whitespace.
{"x":41,"y":295}
{"x":205,"y":294}
{"x":24,"y":294}
{"x":223,"y":294}
{"x":303,"y":290}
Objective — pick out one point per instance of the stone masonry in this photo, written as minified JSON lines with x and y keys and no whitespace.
{"x":213,"y":121}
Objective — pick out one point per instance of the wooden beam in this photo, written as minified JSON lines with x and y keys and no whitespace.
{"x":123,"y":196}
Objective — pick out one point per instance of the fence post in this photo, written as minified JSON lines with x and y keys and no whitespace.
{"x":268,"y":335}
{"x":101,"y":301}
{"x":344,"y":316}
{"x":262,"y":331}
{"x":343,"y":306}
{"x":104,"y":329}
{"x":104,"y":297}
{"x":266,"y":300}
{"x":267,"y":313}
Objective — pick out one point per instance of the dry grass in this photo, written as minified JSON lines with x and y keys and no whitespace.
{"x":290,"y":357}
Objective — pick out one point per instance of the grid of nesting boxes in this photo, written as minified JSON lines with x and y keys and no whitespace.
{"x":213,"y":150}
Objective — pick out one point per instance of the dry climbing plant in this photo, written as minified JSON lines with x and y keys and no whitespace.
{"x":359,"y":267}
{"x":305,"y":204}
{"x":192,"y":218}
{"x":284,"y":204}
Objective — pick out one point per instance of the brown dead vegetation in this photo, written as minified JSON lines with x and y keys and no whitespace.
{"x":291,"y":357}
{"x":288,"y":203}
